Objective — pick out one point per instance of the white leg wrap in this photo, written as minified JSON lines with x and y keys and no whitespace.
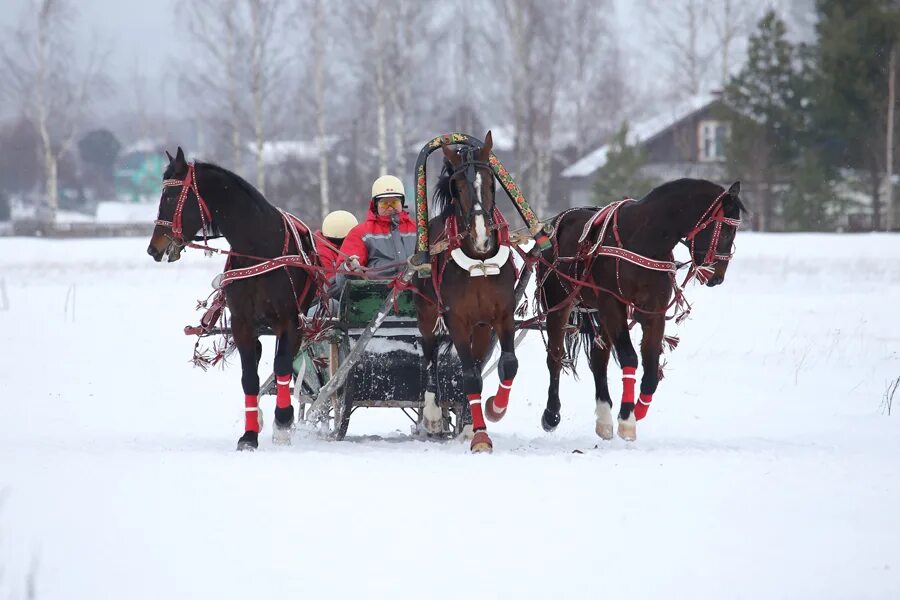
{"x":604,"y":426}
{"x":432,"y":414}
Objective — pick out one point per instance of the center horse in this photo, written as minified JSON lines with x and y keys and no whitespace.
{"x":616,"y":263}
{"x":472,"y":288}
{"x":269,"y":277}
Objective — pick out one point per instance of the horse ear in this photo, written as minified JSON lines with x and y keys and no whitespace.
{"x":450,"y":155}
{"x":735,"y":190}
{"x":179,"y":158}
{"x":485,"y":152}
{"x":169,"y":156}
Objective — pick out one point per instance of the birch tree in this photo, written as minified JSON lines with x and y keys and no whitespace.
{"x":40,"y":69}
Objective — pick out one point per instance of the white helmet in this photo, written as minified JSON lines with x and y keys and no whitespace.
{"x":387,"y":185}
{"x":337,"y":224}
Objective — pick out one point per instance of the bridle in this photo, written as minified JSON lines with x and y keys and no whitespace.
{"x":189,"y":183}
{"x":468,"y":170}
{"x":715,"y":214}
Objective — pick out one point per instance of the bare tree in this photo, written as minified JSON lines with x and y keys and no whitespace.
{"x":268,"y":63}
{"x":889,"y":140}
{"x":55,"y":91}
{"x":680,"y":25}
{"x":730,"y":20}
{"x":317,"y":37}
{"x":593,"y":86}
{"x":215,"y":82}
{"x":537,"y":34}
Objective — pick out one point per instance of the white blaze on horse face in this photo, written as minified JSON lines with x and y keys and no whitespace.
{"x":482,"y":240}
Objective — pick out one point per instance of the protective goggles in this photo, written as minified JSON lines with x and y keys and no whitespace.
{"x":390,"y":202}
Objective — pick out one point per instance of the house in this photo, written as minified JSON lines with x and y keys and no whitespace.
{"x":685,"y":140}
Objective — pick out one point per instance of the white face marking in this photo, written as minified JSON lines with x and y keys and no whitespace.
{"x":482,"y":240}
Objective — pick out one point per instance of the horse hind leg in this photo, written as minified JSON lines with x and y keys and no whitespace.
{"x":432,"y":414}
{"x":599,"y":356}
{"x":246,"y":343}
{"x":556,"y":322}
{"x":284,"y":410}
{"x":628,"y":359}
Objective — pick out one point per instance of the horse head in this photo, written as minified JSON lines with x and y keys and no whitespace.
{"x":471,"y":190}
{"x":712,"y":241}
{"x":182,"y":212}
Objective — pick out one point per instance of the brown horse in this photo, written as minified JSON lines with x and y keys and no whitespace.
{"x":472,"y":288}
{"x":256,"y":231}
{"x":699,"y":213}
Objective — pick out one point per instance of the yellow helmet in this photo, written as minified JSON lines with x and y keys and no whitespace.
{"x":387,"y":185}
{"x":337,"y":224}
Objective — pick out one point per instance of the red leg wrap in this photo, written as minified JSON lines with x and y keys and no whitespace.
{"x":501,"y":400}
{"x":251,"y":417}
{"x":477,"y":415}
{"x":642,"y":406}
{"x":629,"y":378}
{"x":283,"y":386}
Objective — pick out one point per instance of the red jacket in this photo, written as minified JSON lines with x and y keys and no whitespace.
{"x":328,"y":254}
{"x":378,"y":242}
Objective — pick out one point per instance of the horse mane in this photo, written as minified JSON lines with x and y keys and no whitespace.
{"x":675,"y":187}
{"x":442,"y":198}
{"x":256,"y":198}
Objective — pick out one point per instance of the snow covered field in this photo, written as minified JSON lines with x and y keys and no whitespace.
{"x":766,"y":468}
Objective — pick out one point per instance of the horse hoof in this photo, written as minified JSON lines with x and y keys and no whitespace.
{"x":604,"y":426}
{"x":281,"y":436}
{"x":628,"y":429}
{"x":481,"y":442}
{"x":467,"y":432}
{"x":549,"y":421}
{"x":248,"y":442}
{"x":493,"y":413}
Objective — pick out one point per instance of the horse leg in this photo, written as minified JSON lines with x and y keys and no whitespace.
{"x":432,"y":415}
{"x":654,"y":328}
{"x":628,"y":361}
{"x":472,"y":383}
{"x":246,"y":341}
{"x":603,"y":412}
{"x":556,"y":323}
{"x":507,"y":367}
{"x":284,"y":410}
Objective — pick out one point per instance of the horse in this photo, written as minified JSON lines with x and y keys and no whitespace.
{"x":258,"y":292}
{"x":471,"y":291}
{"x":573,"y":273}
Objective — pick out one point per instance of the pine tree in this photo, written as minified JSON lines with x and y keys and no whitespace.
{"x":621,"y":176}
{"x":767,"y":94}
{"x":854,"y":46}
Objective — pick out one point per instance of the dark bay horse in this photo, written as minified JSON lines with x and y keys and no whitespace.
{"x":473,"y":284}
{"x":699,"y":213}
{"x":204,"y":198}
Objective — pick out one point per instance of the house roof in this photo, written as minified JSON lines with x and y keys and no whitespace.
{"x":642,"y":132}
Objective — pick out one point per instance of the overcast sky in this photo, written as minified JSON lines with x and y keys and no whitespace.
{"x":132,"y":30}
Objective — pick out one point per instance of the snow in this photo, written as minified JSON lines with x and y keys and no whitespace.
{"x":765,"y":469}
{"x":640,"y":132}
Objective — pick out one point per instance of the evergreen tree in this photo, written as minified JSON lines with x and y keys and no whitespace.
{"x":768,"y":96}
{"x":621,"y":176}
{"x":850,"y":111}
